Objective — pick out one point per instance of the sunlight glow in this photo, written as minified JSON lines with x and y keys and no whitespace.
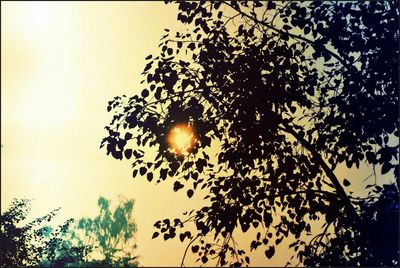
{"x":181,"y":139}
{"x":42,"y":75}
{"x":37,"y":15}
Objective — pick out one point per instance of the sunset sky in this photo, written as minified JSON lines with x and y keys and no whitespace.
{"x":60,"y":65}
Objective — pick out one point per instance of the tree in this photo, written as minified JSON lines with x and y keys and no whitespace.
{"x":111,"y":234}
{"x":288,"y":91}
{"x":63,"y":248}
{"x":36,"y":244}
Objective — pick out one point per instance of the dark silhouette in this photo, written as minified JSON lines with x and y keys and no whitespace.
{"x":288,"y":91}
{"x":34,"y":243}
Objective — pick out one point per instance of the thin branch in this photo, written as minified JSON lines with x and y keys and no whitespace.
{"x":312,"y":42}
{"x":339,"y":189}
{"x":184,"y":255}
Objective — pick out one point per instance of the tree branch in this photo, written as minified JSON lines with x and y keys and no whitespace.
{"x":312,"y":42}
{"x":184,"y":254}
{"x":329,"y":173}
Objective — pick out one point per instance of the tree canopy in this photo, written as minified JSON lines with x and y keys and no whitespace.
{"x":287,"y":92}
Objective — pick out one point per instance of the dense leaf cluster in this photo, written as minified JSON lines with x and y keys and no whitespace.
{"x":287,"y":91}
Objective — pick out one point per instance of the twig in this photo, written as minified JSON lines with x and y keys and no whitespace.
{"x":184,"y":255}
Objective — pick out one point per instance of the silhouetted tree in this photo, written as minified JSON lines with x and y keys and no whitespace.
{"x":34,"y":243}
{"x":63,"y":248}
{"x":111,"y":234}
{"x":287,"y":91}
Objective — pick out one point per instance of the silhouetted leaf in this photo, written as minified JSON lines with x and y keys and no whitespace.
{"x":177,"y":186}
{"x":195,"y":249}
{"x":142,"y":170}
{"x":145,"y":93}
{"x":204,"y":259}
{"x":190,"y":193}
{"x":386,"y":167}
{"x":149,"y":176}
{"x":128,"y":153}
{"x":270,"y":252}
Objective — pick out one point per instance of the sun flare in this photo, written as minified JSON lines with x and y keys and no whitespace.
{"x":181,"y":139}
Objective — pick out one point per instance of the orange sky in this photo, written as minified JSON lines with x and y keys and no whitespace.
{"x":61,"y":63}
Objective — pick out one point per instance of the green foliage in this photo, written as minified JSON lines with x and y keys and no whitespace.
{"x":289,"y":90}
{"x":111,"y":233}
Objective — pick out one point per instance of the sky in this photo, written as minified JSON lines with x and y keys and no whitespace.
{"x":60,"y":65}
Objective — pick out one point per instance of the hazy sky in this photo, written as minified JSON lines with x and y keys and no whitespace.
{"x":61,"y":63}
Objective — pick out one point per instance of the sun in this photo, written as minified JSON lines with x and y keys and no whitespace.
{"x":181,"y":139}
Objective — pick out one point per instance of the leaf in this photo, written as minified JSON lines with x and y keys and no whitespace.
{"x":128,"y":136}
{"x":191,"y":46}
{"x":179,"y":44}
{"x":247,"y":259}
{"x":148,"y":66}
{"x":155,"y":234}
{"x":204,"y":259}
{"x":195,"y":249}
{"x":386,"y":167}
{"x":142,"y":170}
{"x":286,"y":27}
{"x":182,"y":237}
{"x":269,"y":253}
{"x":163,"y":173}
{"x":271,"y":5}
{"x":346,"y":183}
{"x":145,"y":93}
{"x":190,"y":193}
{"x":177,"y":186}
{"x":128,"y":153}
{"x":150,"y":176}
{"x":349,"y":163}
{"x":135,"y":171}
{"x":267,"y":218}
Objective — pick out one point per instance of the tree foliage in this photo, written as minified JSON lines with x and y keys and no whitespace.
{"x":111,"y":233}
{"x":288,"y":91}
{"x":106,"y":241}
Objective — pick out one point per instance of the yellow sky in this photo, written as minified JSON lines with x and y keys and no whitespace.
{"x":61,"y":63}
